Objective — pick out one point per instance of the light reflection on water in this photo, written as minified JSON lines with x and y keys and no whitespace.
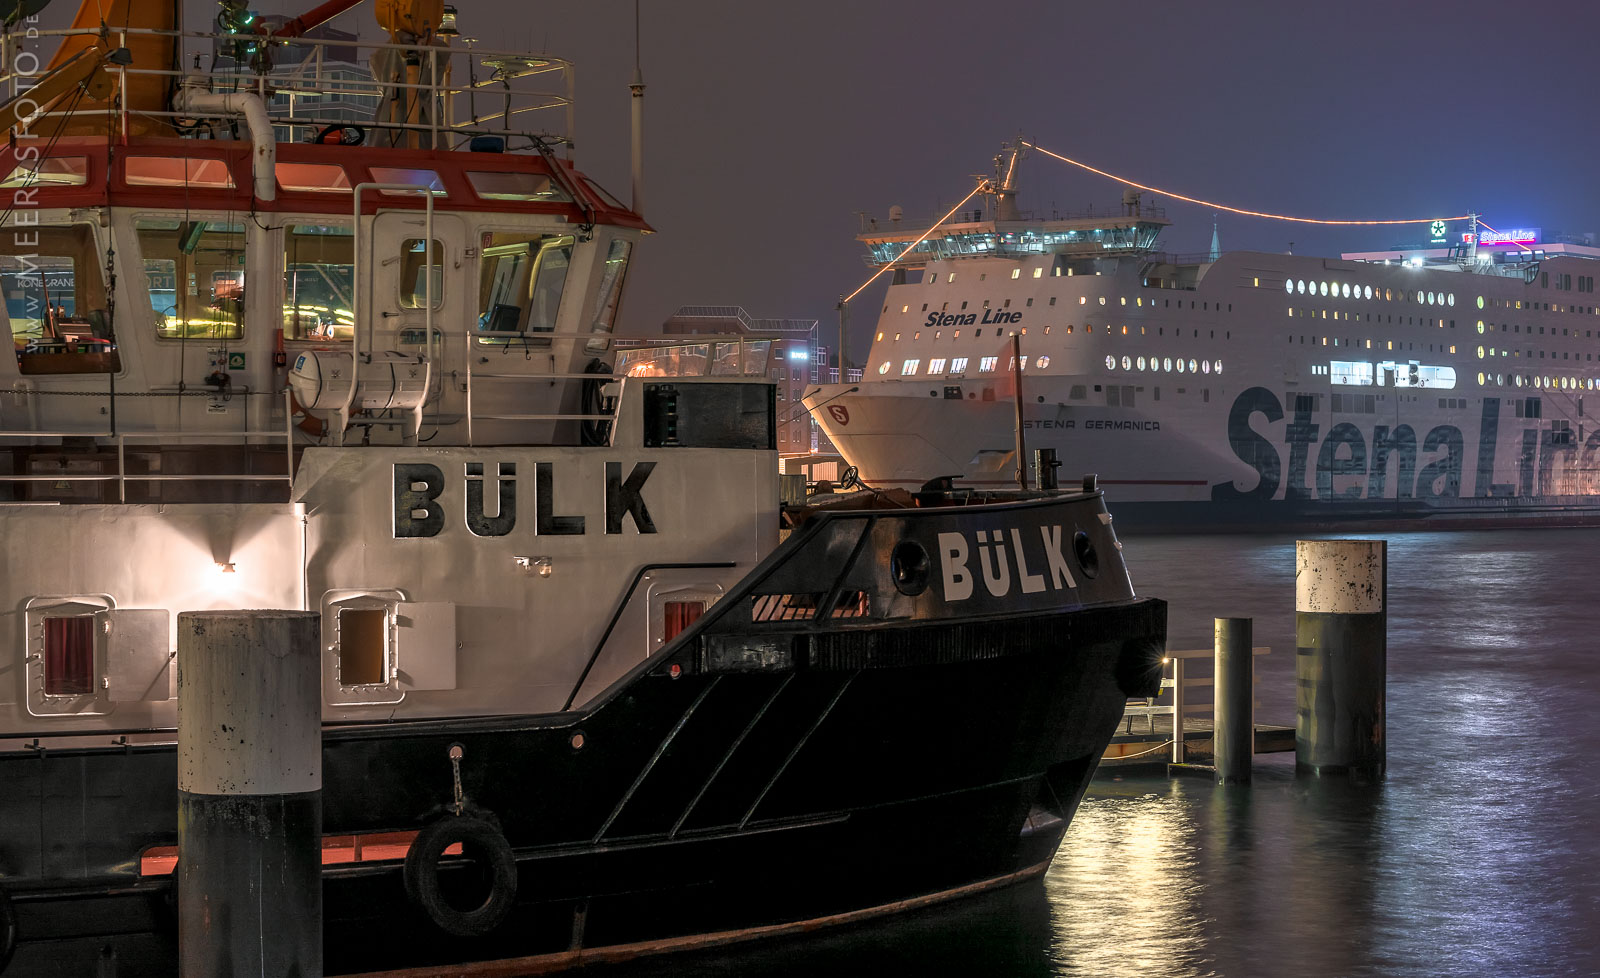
{"x":1477,"y":856}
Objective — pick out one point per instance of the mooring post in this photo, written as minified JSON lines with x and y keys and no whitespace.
{"x":1341,"y":655}
{"x":1234,"y":693}
{"x":249,"y":794}
{"x":1179,"y":755}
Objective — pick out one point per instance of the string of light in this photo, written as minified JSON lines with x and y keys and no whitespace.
{"x":1234,"y":210}
{"x":982,"y":185}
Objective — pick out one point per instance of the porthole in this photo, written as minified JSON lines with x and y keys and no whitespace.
{"x":1141,"y":363}
{"x":1480,"y":380}
{"x":1345,"y":288}
{"x":1450,"y":299}
{"x":1219,"y":366}
{"x":1480,"y":353}
{"x":1500,"y":380}
{"x":1111,"y":362}
{"x":883,"y":367}
{"x":1043,"y":362}
{"x":1205,"y":366}
{"x":1480,"y":302}
{"x":1300,"y":286}
{"x":1083,"y":549}
{"x":1166,"y":364}
{"x":1127,"y":363}
{"x":908,"y":566}
{"x":1420,"y":295}
{"x":1191,"y":366}
{"x":1367,"y":292}
{"x":1480,"y":325}
{"x":1180,"y":365}
{"x":1387,"y":295}
{"x":1288,"y":285}
{"x":1323,"y":286}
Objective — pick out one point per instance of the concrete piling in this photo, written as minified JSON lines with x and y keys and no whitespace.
{"x":1233,"y":691}
{"x":249,"y":794}
{"x":1341,"y":653}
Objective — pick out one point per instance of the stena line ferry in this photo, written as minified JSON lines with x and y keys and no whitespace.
{"x":589,"y":691}
{"x":1450,"y":384}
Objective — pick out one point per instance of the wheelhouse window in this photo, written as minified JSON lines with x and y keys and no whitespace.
{"x":52,"y":171}
{"x":605,"y":317}
{"x":425,"y":181}
{"x":318,"y":276}
{"x":516,"y":186}
{"x":522,"y":278}
{"x":419,"y":270}
{"x":55,"y":299}
{"x":316,"y":178}
{"x":177,"y":171}
{"x":194,"y":276}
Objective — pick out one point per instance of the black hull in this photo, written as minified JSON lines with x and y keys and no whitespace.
{"x":875,"y":767}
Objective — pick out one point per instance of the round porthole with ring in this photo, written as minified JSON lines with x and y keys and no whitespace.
{"x":908,"y":565}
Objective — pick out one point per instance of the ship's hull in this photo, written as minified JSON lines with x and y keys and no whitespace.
{"x":712,"y":796}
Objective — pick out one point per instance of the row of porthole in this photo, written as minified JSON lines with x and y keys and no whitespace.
{"x":958,"y":366}
{"x":1546,"y":383}
{"x":1347,"y":291}
{"x":1166,"y":364}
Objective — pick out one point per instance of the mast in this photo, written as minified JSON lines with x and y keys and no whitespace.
{"x":637,"y":88}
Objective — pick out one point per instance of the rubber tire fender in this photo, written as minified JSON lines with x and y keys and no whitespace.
{"x":422,"y":874}
{"x":8,"y":930}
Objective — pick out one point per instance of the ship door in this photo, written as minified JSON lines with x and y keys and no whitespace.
{"x":404,"y":269}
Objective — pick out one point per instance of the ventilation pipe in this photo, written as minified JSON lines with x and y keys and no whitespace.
{"x":263,"y":307}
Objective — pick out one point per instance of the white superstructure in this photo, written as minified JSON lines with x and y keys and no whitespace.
{"x":1392,"y":385}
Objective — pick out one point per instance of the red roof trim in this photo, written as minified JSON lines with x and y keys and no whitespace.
{"x":112,"y":189}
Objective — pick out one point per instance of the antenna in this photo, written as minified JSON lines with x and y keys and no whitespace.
{"x":637,"y":88}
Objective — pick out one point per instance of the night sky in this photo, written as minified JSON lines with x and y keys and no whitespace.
{"x":770,"y":125}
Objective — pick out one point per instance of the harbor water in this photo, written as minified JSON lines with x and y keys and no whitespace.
{"x":1476,"y":855}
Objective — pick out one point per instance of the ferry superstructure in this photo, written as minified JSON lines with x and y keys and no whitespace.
{"x":368,"y":373}
{"x":1234,"y":388}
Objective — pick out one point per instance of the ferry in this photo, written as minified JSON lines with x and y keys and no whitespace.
{"x":580,"y":668}
{"x":1441,"y":385}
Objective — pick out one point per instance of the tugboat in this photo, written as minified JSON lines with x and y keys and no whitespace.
{"x":267,"y":356}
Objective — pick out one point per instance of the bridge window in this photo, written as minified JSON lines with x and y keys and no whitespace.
{"x":55,"y":299}
{"x":177,"y":171}
{"x":53,"y":171}
{"x":611,"y":277}
{"x":318,"y":280}
{"x":516,"y":186}
{"x":418,"y":177}
{"x":987,"y":364}
{"x":958,"y":365}
{"x":522,"y":278}
{"x":194,"y":276}
{"x":316,"y":178}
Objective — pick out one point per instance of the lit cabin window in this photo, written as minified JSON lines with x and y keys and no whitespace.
{"x":1450,"y":299}
{"x":54,"y":171}
{"x":55,"y":296}
{"x":905,"y":309}
{"x":1367,"y":292}
{"x":958,"y":365}
{"x":1016,"y":273}
{"x":523,"y":277}
{"x":1127,"y":363}
{"x":1111,"y":362}
{"x":177,"y":171}
{"x":883,"y":367}
{"x":1038,"y":272}
{"x":1102,"y":300}
{"x":317,"y":269}
{"x":1218,"y":366}
{"x":880,"y":337}
{"x":1042,"y":362}
{"x":423,"y":179}
{"x":1480,"y":302}
{"x":1166,"y":364}
{"x":316,"y":178}
{"x":515,"y":186}
{"x":910,"y":367}
{"x":987,"y":364}
{"x":1141,"y":363}
{"x":194,"y":276}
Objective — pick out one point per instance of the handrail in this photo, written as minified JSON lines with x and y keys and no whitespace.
{"x":515,"y":76}
{"x":622,"y":606}
{"x":120,"y":438}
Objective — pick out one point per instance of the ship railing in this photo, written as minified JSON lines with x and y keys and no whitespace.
{"x":1182,"y":681}
{"x":121,"y":438}
{"x":477,"y":376}
{"x":873,"y":226}
{"x":458,"y":92}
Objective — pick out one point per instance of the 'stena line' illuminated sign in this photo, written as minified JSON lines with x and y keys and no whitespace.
{"x":1512,"y":236}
